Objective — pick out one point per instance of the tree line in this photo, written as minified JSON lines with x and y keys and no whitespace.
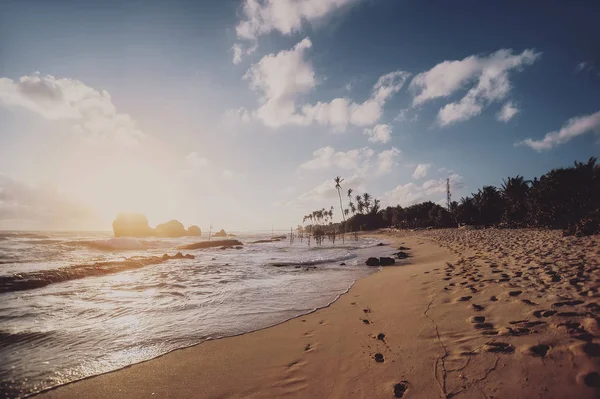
{"x":566,"y":198}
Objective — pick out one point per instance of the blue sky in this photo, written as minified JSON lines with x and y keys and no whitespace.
{"x":239,"y":113}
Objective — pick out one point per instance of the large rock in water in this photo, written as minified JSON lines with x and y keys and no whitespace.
{"x":173,"y":228}
{"x":221,"y":233}
{"x":194,"y":231}
{"x":132,"y":225}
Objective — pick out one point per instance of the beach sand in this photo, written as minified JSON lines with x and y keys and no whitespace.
{"x":472,"y":314}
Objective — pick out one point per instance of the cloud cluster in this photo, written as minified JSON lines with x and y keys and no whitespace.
{"x":421,"y":170}
{"x":91,"y":110}
{"x":488,"y":77}
{"x":359,"y":160}
{"x":572,"y":128}
{"x":279,"y":79}
{"x":509,"y":110}
{"x":328,"y":157}
{"x":430,"y":190}
{"x":261,"y":17}
{"x":379,"y":133}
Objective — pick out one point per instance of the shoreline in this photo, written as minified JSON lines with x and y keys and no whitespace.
{"x":361,"y":253}
{"x":490,"y":313}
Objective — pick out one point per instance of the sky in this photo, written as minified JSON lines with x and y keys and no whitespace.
{"x":240,"y":113}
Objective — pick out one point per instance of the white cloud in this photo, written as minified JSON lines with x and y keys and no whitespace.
{"x":379,"y":133}
{"x":91,"y":111}
{"x":261,"y":17}
{"x":281,"y":78}
{"x":386,"y":160}
{"x":327,"y":157}
{"x":508,"y":111}
{"x":403,"y":115}
{"x":572,"y":128}
{"x":411,"y":193}
{"x":284,"y":16}
{"x":490,"y":76}
{"x":421,"y":170}
{"x":237,"y":53}
{"x":227,"y":174}
{"x":195,"y":161}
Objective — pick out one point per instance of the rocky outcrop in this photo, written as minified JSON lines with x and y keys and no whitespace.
{"x":210,"y":244}
{"x":136,"y":225}
{"x":173,"y":228}
{"x":194,"y":231}
{"x":221,"y":233}
{"x":132,"y":225}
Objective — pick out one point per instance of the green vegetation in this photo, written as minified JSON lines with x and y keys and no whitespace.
{"x":564,"y":198}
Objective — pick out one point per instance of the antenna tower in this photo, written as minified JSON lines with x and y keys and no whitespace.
{"x":448,"y":195}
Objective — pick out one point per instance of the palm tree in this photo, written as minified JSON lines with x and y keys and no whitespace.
{"x":367,"y":201}
{"x":338,"y":181}
{"x":514,"y":193}
{"x":360,"y":206}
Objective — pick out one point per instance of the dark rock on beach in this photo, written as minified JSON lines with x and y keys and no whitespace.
{"x":372,"y":262}
{"x":385,"y":261}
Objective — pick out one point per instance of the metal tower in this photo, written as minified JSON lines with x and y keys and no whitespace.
{"x":448,"y":195}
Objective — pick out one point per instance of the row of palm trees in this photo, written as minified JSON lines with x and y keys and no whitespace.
{"x":564,"y":198}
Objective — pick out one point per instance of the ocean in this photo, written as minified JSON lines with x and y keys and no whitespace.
{"x":60,"y":321}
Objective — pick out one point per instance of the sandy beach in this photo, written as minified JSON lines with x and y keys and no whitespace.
{"x":471,"y":314}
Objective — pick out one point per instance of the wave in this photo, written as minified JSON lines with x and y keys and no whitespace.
{"x":24,"y":337}
{"x":117,"y":244}
{"x":42,"y":278}
{"x":313,"y":262}
{"x":5,"y":235}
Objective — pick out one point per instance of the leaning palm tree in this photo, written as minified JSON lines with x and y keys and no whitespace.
{"x":360,"y":206}
{"x":338,"y":186}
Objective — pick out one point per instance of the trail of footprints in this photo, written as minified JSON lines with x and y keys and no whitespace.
{"x":572,"y":278}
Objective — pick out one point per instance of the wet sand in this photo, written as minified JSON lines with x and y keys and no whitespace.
{"x":471,"y":314}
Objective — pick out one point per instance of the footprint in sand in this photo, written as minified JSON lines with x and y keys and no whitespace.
{"x":515,"y":293}
{"x":498,"y":347}
{"x":591,"y":380}
{"x":378,"y":358}
{"x":493,"y":298}
{"x":366,"y":321}
{"x":591,"y":349}
{"x":477,"y":307}
{"x":401,"y":388}
{"x":465,"y":298}
{"x":476,"y":319}
{"x":381,"y":336}
{"x":540,"y":350}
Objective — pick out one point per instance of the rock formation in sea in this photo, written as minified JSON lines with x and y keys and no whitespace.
{"x":136,"y":225}
{"x":173,"y":228}
{"x":132,"y":225}
{"x":194,"y":231}
{"x":221,"y":233}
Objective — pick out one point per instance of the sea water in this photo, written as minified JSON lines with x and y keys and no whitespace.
{"x":73,"y":329}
